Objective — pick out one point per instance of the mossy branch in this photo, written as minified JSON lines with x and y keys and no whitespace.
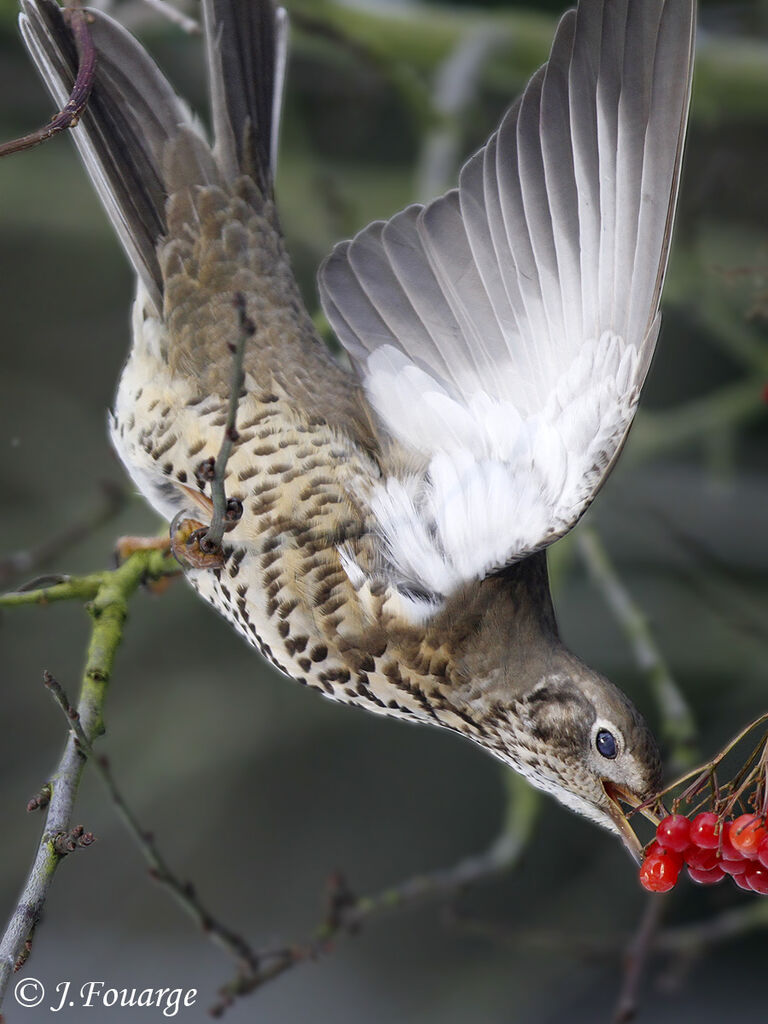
{"x":108,"y":594}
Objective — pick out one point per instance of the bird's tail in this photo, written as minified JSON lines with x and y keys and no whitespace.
{"x":138,"y":139}
{"x":246,"y":45}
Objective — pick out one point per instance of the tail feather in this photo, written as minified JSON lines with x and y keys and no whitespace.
{"x":131,"y":113}
{"x":138,"y":139}
{"x":246,"y":45}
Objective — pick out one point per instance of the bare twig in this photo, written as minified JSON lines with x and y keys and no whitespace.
{"x":110,"y":592}
{"x":223,"y":511}
{"x":455,"y":86}
{"x":72,"y":110}
{"x":677,"y":723}
{"x":715,"y":582}
{"x":680,"y":940}
{"x":703,"y":774}
{"x":112,"y":501}
{"x":183,"y":892}
{"x":737,"y":335}
{"x":636,"y":958}
{"x":175,"y":16}
{"x":347,"y":913}
{"x":730,"y":924}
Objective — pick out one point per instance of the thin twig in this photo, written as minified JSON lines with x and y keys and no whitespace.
{"x":703,"y":773}
{"x":636,"y":958}
{"x":348,"y":913}
{"x":183,"y":892}
{"x":110,"y":592}
{"x":730,"y":924}
{"x":221,"y":513}
{"x":715,"y":582}
{"x":112,"y":501}
{"x":175,"y":16}
{"x":677,"y":723}
{"x":72,"y":110}
{"x":681,"y":940}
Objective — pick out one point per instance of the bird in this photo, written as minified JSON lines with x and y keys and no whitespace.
{"x":388,"y":516}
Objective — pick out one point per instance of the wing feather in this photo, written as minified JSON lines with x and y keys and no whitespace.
{"x":504,"y":331}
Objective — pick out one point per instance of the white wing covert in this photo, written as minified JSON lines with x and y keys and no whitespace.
{"x":504,"y":331}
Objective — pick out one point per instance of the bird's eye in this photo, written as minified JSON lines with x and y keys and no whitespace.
{"x":606,"y":744}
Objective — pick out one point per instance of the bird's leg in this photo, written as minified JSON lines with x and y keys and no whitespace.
{"x":127,"y":546}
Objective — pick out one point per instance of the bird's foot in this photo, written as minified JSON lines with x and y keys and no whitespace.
{"x":189,"y":546}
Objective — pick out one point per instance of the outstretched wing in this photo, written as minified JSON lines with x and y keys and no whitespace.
{"x":503,"y":332}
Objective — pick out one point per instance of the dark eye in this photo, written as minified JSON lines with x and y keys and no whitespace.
{"x":606,"y":744}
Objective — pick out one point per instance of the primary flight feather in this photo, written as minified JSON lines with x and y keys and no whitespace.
{"x":504,"y":331}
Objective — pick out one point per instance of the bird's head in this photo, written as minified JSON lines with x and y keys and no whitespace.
{"x":537,"y":707}
{"x":575,"y":735}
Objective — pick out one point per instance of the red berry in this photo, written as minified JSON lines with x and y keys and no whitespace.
{"x":757,"y":877}
{"x":741,"y":881}
{"x":735,"y":868}
{"x":727,"y":850}
{"x":702,"y":860}
{"x":706,"y":877}
{"x":674,"y":832}
{"x":655,"y":849}
{"x":762,"y":852}
{"x":659,"y":872}
{"x":747,"y":831}
{"x":703,"y":832}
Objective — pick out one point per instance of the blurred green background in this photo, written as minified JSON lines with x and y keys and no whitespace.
{"x":257,"y":789}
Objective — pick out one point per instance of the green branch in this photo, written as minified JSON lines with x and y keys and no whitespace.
{"x":76,"y":588}
{"x":657,"y":432}
{"x":108,"y":594}
{"x":678,"y":727}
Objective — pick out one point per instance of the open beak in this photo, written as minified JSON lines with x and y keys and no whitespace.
{"x":618,"y":795}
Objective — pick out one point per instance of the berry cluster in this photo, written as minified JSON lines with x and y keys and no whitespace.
{"x":711,"y":849}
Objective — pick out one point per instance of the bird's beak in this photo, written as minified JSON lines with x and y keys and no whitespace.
{"x":617,"y":795}
{"x":201,"y":500}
